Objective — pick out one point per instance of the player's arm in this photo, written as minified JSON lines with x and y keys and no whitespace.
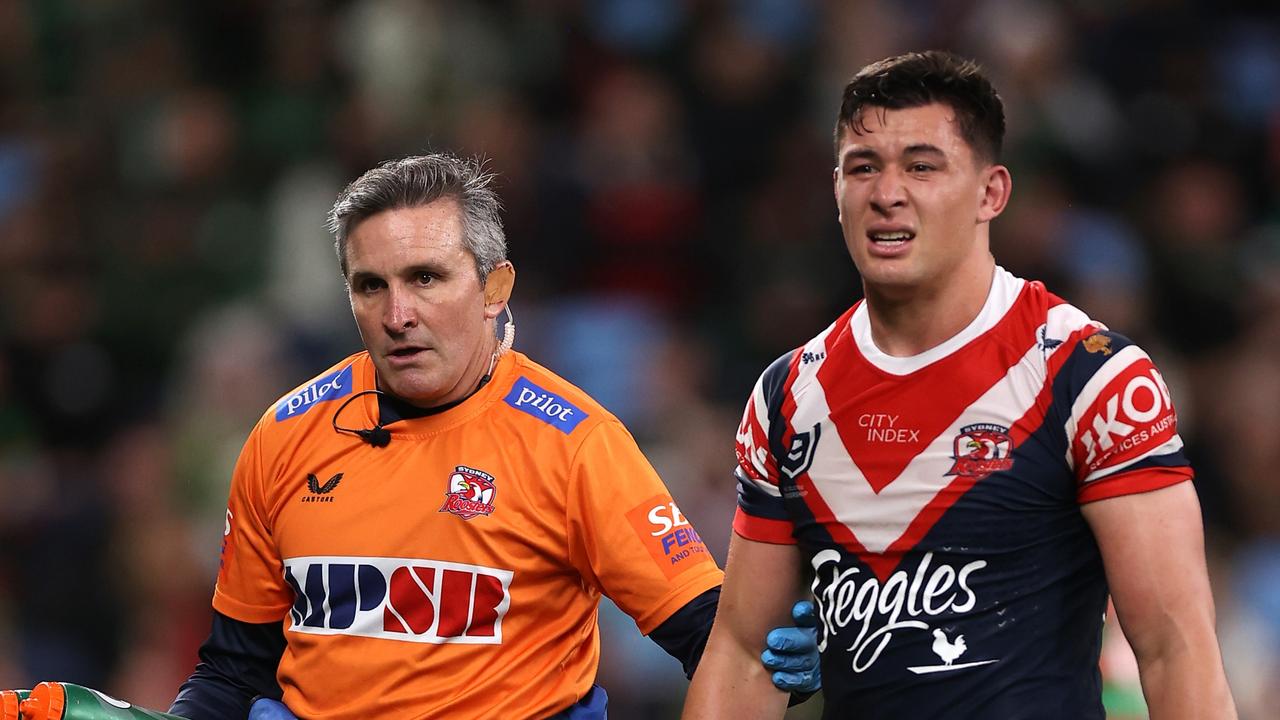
{"x":1153,"y":549}
{"x":792,"y":654}
{"x":760,"y":579}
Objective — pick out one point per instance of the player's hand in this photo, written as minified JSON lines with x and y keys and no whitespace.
{"x":268,"y":709}
{"x":791,"y":653}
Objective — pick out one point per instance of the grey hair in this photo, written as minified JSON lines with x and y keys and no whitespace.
{"x":420,"y":180}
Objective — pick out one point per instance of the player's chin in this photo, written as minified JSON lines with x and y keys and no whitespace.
{"x":888,"y":272}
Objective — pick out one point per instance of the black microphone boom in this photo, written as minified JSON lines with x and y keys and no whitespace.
{"x":377,"y":436}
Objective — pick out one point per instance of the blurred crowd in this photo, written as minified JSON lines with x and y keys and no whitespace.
{"x":165,"y":169}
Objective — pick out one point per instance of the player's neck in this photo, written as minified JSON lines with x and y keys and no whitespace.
{"x":907,"y":323}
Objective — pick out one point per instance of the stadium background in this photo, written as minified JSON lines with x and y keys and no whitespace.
{"x":165,"y":168}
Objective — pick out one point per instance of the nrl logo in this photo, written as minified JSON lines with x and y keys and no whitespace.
{"x":470,"y":493}
{"x":982,"y":449}
{"x":799,"y":457}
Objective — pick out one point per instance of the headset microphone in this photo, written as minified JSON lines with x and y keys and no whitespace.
{"x":377,"y":436}
{"x":508,"y":332}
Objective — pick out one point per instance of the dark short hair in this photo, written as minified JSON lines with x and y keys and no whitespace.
{"x":421,"y":180}
{"x":922,"y":78}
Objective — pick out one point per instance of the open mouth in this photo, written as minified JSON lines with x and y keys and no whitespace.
{"x":404,"y":353}
{"x":891,"y":238}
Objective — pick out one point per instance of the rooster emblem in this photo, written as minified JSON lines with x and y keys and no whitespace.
{"x":945,"y":649}
{"x":471,"y":493}
{"x":981,"y":449}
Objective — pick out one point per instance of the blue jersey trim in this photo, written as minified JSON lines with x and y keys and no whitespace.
{"x":756,"y":502}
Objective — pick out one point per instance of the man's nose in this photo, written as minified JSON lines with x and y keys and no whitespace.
{"x":399,"y":314}
{"x":889,"y":191}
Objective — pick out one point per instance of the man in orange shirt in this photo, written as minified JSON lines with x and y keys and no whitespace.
{"x":426,"y":528}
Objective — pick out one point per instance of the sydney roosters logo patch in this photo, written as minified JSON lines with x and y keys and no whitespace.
{"x":982,"y":449}
{"x":471,"y":492}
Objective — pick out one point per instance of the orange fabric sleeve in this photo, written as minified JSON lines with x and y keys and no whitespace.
{"x":251,"y":584}
{"x":627,"y":536}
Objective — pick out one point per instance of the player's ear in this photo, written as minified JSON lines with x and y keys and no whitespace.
{"x":996,"y":188}
{"x":497,"y":288}
{"x":835,"y":188}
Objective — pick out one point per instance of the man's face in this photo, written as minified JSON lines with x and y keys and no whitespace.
{"x":912,"y":198}
{"x":419,"y":302}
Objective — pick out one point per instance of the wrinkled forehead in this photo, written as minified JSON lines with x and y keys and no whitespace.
{"x":891,"y":131}
{"x":431,"y":232}
{"x":439,"y":218}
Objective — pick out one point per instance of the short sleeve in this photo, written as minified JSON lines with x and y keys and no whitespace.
{"x":627,"y":536}
{"x":1122,"y":430}
{"x":251,"y":585}
{"x":761,"y":513}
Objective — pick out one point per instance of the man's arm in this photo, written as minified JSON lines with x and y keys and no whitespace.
{"x":684,"y":635}
{"x":792,"y":654}
{"x":760,"y":579}
{"x":1153,"y":549}
{"x":237,"y":663}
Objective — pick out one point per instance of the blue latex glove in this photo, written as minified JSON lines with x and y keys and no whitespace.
{"x":267,"y":709}
{"x":792,"y":652}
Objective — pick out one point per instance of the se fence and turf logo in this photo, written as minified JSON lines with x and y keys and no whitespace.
{"x":667,"y":534}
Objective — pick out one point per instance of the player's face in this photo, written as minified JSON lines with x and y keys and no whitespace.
{"x":419,"y":303}
{"x":913,"y":199}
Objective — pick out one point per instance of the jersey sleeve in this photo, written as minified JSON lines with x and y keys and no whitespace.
{"x":761,"y":514}
{"x":251,"y":586}
{"x":627,"y":536}
{"x":1122,"y":429}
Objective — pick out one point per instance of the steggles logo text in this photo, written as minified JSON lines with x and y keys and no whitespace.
{"x":848,"y":598}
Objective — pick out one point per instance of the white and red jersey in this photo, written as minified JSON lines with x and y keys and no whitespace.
{"x":937,"y":498}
